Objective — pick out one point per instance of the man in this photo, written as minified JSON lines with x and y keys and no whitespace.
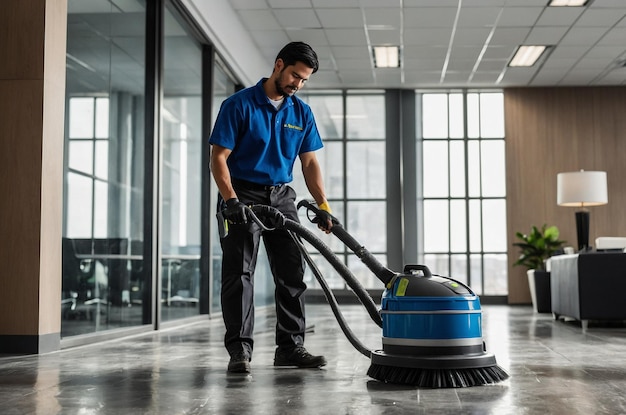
{"x":257,"y":136}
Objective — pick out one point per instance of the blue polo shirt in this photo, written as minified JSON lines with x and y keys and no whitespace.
{"x":265,"y":142}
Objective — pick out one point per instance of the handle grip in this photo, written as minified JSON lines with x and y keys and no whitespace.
{"x":413,"y":268}
{"x":313,"y":208}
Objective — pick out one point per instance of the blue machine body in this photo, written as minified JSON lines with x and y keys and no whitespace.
{"x":430,"y":308}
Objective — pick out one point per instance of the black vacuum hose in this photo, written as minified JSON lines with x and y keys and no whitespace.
{"x":339,"y":266}
{"x":278,"y":220}
{"x":332,"y":301}
{"x":384,"y":274}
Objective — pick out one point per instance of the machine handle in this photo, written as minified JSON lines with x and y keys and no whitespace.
{"x":412,"y":268}
{"x":380,"y":271}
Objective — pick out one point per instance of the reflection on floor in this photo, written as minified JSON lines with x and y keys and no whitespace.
{"x":101,"y":317}
{"x":555,"y":368}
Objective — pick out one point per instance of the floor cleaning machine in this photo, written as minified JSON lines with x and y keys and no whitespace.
{"x":431,"y":324}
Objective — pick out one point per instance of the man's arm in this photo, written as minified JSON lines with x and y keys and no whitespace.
{"x":220,"y":171}
{"x":314,"y":182}
{"x":313,"y":177}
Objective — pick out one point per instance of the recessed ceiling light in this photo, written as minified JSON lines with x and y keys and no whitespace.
{"x":568,"y":3}
{"x":386,"y":56}
{"x":527,"y":55}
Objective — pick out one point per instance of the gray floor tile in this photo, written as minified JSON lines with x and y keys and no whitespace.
{"x":555,"y":368}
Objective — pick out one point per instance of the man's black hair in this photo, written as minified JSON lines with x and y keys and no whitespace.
{"x":299,"y":52}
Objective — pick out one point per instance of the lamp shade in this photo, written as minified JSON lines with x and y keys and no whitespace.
{"x":581,"y":188}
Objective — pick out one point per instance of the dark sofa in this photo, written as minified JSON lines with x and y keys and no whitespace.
{"x":589,"y":286}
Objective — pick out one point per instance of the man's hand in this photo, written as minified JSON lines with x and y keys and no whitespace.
{"x":324,"y":217}
{"x":235,"y":211}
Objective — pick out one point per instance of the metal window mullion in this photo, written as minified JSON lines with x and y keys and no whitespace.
{"x":480,"y":192}
{"x":93,"y":175}
{"x":206,"y":275}
{"x":468,"y":253}
{"x":153,"y":98}
{"x":449,"y":198}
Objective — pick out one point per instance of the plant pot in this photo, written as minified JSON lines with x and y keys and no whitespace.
{"x":540,"y":293}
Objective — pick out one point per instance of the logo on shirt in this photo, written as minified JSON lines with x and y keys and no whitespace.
{"x":292,"y":127}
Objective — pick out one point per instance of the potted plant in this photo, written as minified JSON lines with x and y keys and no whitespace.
{"x":536,"y":247}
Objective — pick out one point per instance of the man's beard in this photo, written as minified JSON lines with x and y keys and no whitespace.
{"x":284,"y":91}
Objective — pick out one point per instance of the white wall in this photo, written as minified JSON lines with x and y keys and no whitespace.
{"x":223,"y":27}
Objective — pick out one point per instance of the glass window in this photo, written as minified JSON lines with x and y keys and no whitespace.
{"x":435,"y":165}
{"x":458,"y":226}
{"x":436,"y":226}
{"x":457,"y":168}
{"x":78,"y":205}
{"x":103,"y":200}
{"x":366,"y":169}
{"x":475,"y":225}
{"x":181,"y":170}
{"x":473,"y":116}
{"x":81,"y":153}
{"x":492,"y":115}
{"x":365,"y":173}
{"x":456,"y":116}
{"x":367,"y":223}
{"x":495,"y":272}
{"x":494,"y":221}
{"x":329,"y":114}
{"x":434,"y":116}
{"x":328,"y":110}
{"x":473,"y":168}
{"x":82,"y":117}
{"x":102,"y":118}
{"x":454,"y":160}
{"x":458,"y":267}
{"x":102,"y":159}
{"x":477,"y":268}
{"x":365,"y":116}
{"x":360,"y":204}
{"x":493,"y":174}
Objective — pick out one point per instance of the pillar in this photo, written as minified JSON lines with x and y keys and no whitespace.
{"x":32,"y":90}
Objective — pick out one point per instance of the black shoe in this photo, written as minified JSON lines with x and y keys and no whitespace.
{"x":298,"y":357}
{"x":239,"y":363}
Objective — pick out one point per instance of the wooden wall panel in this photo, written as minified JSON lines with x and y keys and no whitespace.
{"x":22,"y":33}
{"x":50,"y":262}
{"x":20,"y":176}
{"x":553,"y":130}
{"x":32,"y":91}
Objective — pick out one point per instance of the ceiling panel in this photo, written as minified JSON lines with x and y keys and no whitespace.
{"x":616,"y":36}
{"x":581,"y":36}
{"x":310,"y":36}
{"x":445,"y":43}
{"x":559,"y":16}
{"x":546,"y":35}
{"x":387,"y":17}
{"x":384,"y":37}
{"x":432,"y":37}
{"x":346,"y":37}
{"x":600,"y":18}
{"x":297,"y":18}
{"x":435,"y":17}
{"x":509,"y":36}
{"x":340,"y":18}
{"x":259,"y":19}
{"x":519,"y":16}
{"x":478,"y":16}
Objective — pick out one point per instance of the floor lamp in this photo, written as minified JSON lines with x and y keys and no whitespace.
{"x":582,"y":189}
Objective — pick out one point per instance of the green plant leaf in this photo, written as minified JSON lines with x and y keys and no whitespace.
{"x":537,"y":246}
